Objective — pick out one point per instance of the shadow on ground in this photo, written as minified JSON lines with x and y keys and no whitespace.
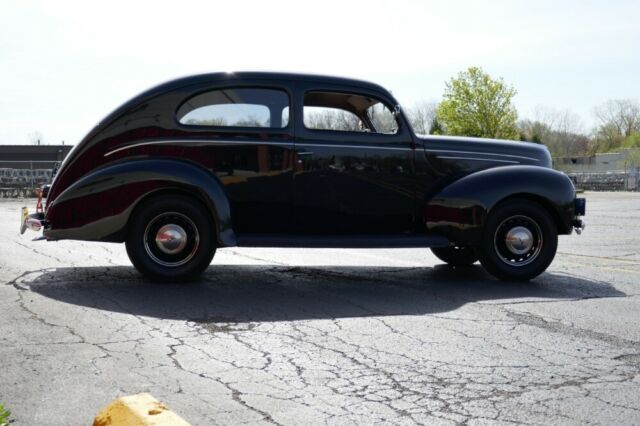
{"x":252,"y":293}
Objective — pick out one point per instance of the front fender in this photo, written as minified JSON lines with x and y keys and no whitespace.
{"x":98,"y":206}
{"x":459,"y":210}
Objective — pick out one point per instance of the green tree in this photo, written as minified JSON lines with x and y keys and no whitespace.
{"x":632,"y":141}
{"x":476,"y":105}
{"x":436,"y":127}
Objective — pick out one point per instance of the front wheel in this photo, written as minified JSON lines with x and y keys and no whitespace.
{"x":171,"y":238}
{"x":519,"y":241}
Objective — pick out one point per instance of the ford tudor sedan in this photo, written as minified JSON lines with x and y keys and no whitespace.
{"x":291,"y":160}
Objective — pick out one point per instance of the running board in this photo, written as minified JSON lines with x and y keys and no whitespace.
{"x":341,"y":241}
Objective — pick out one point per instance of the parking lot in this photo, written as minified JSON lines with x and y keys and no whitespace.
{"x":326,"y":336}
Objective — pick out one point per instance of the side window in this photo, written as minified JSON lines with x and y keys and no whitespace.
{"x":237,"y":107}
{"x":382,"y":119}
{"x":323,"y":118}
{"x":347,"y":112}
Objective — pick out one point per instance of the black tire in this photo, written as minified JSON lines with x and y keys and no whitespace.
{"x":519,"y":240}
{"x":456,"y":256}
{"x":171,"y":238}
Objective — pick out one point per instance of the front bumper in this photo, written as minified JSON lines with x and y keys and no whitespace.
{"x":580,"y":208}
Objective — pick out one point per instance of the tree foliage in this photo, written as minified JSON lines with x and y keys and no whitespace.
{"x":622,"y":115}
{"x":436,"y":127}
{"x":559,"y":130}
{"x":619,"y":121}
{"x":474,"y":104}
{"x":632,"y":141}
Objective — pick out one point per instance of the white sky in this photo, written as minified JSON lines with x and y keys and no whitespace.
{"x":65,"y":65}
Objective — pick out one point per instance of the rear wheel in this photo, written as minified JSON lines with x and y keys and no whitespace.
{"x":456,"y":256}
{"x":519,"y":240}
{"x":171,"y":238}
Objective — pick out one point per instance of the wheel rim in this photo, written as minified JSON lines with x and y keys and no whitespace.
{"x":518,"y":240}
{"x":171,"y":239}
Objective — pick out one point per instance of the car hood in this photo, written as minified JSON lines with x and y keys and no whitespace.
{"x":509,"y":151}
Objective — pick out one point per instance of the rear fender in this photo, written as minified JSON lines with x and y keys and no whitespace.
{"x":459,"y":211}
{"x":98,"y":206}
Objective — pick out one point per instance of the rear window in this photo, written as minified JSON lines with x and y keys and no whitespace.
{"x":237,"y":107}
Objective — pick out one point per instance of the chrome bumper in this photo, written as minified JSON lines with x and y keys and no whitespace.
{"x":580,"y":208}
{"x":33,"y":221}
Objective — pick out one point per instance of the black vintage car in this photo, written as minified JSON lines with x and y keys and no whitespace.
{"x":290,"y":160}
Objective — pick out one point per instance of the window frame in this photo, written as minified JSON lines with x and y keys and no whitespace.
{"x":402,"y":134}
{"x":238,"y":129}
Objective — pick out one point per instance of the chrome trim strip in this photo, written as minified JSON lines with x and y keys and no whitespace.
{"x":197,"y":141}
{"x":388,"y":148}
{"x":482,"y":153}
{"x":477,"y":159}
{"x":240,"y":142}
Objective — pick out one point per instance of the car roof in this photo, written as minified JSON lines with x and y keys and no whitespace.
{"x":262,"y":75}
{"x":208,"y":78}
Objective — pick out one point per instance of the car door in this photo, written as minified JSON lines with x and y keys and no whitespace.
{"x":248,"y":143}
{"x":351,"y":178}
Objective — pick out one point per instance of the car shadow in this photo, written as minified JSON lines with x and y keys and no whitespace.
{"x":254,"y":293}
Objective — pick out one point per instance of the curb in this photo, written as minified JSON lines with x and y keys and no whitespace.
{"x":138,"y":410}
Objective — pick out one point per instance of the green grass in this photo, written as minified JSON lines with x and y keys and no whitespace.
{"x":4,"y":416}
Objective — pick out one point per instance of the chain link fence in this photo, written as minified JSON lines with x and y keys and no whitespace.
{"x":606,"y":181}
{"x":23,"y":178}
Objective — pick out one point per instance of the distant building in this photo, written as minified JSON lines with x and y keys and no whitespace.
{"x":28,"y":166}
{"x":611,"y":171}
{"x":32,"y":156}
{"x":598,"y":163}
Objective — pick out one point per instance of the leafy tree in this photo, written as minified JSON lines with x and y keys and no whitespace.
{"x":607,"y":137}
{"x":560,"y":130}
{"x":436,"y":127}
{"x":619,"y":120}
{"x":534,"y":131}
{"x":476,"y":105}
{"x":623,"y":115}
{"x":632,"y":141}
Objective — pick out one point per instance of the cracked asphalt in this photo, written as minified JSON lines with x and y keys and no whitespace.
{"x":281,"y":336}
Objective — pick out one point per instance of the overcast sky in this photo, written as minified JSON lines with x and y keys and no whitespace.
{"x":65,"y":65}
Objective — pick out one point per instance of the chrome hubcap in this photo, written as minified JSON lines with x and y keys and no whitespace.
{"x":518,"y":240}
{"x":171,"y":238}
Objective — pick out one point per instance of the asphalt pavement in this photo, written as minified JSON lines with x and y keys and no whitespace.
{"x":293,"y":336}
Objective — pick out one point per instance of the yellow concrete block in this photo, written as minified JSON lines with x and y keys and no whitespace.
{"x":137,"y":410}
